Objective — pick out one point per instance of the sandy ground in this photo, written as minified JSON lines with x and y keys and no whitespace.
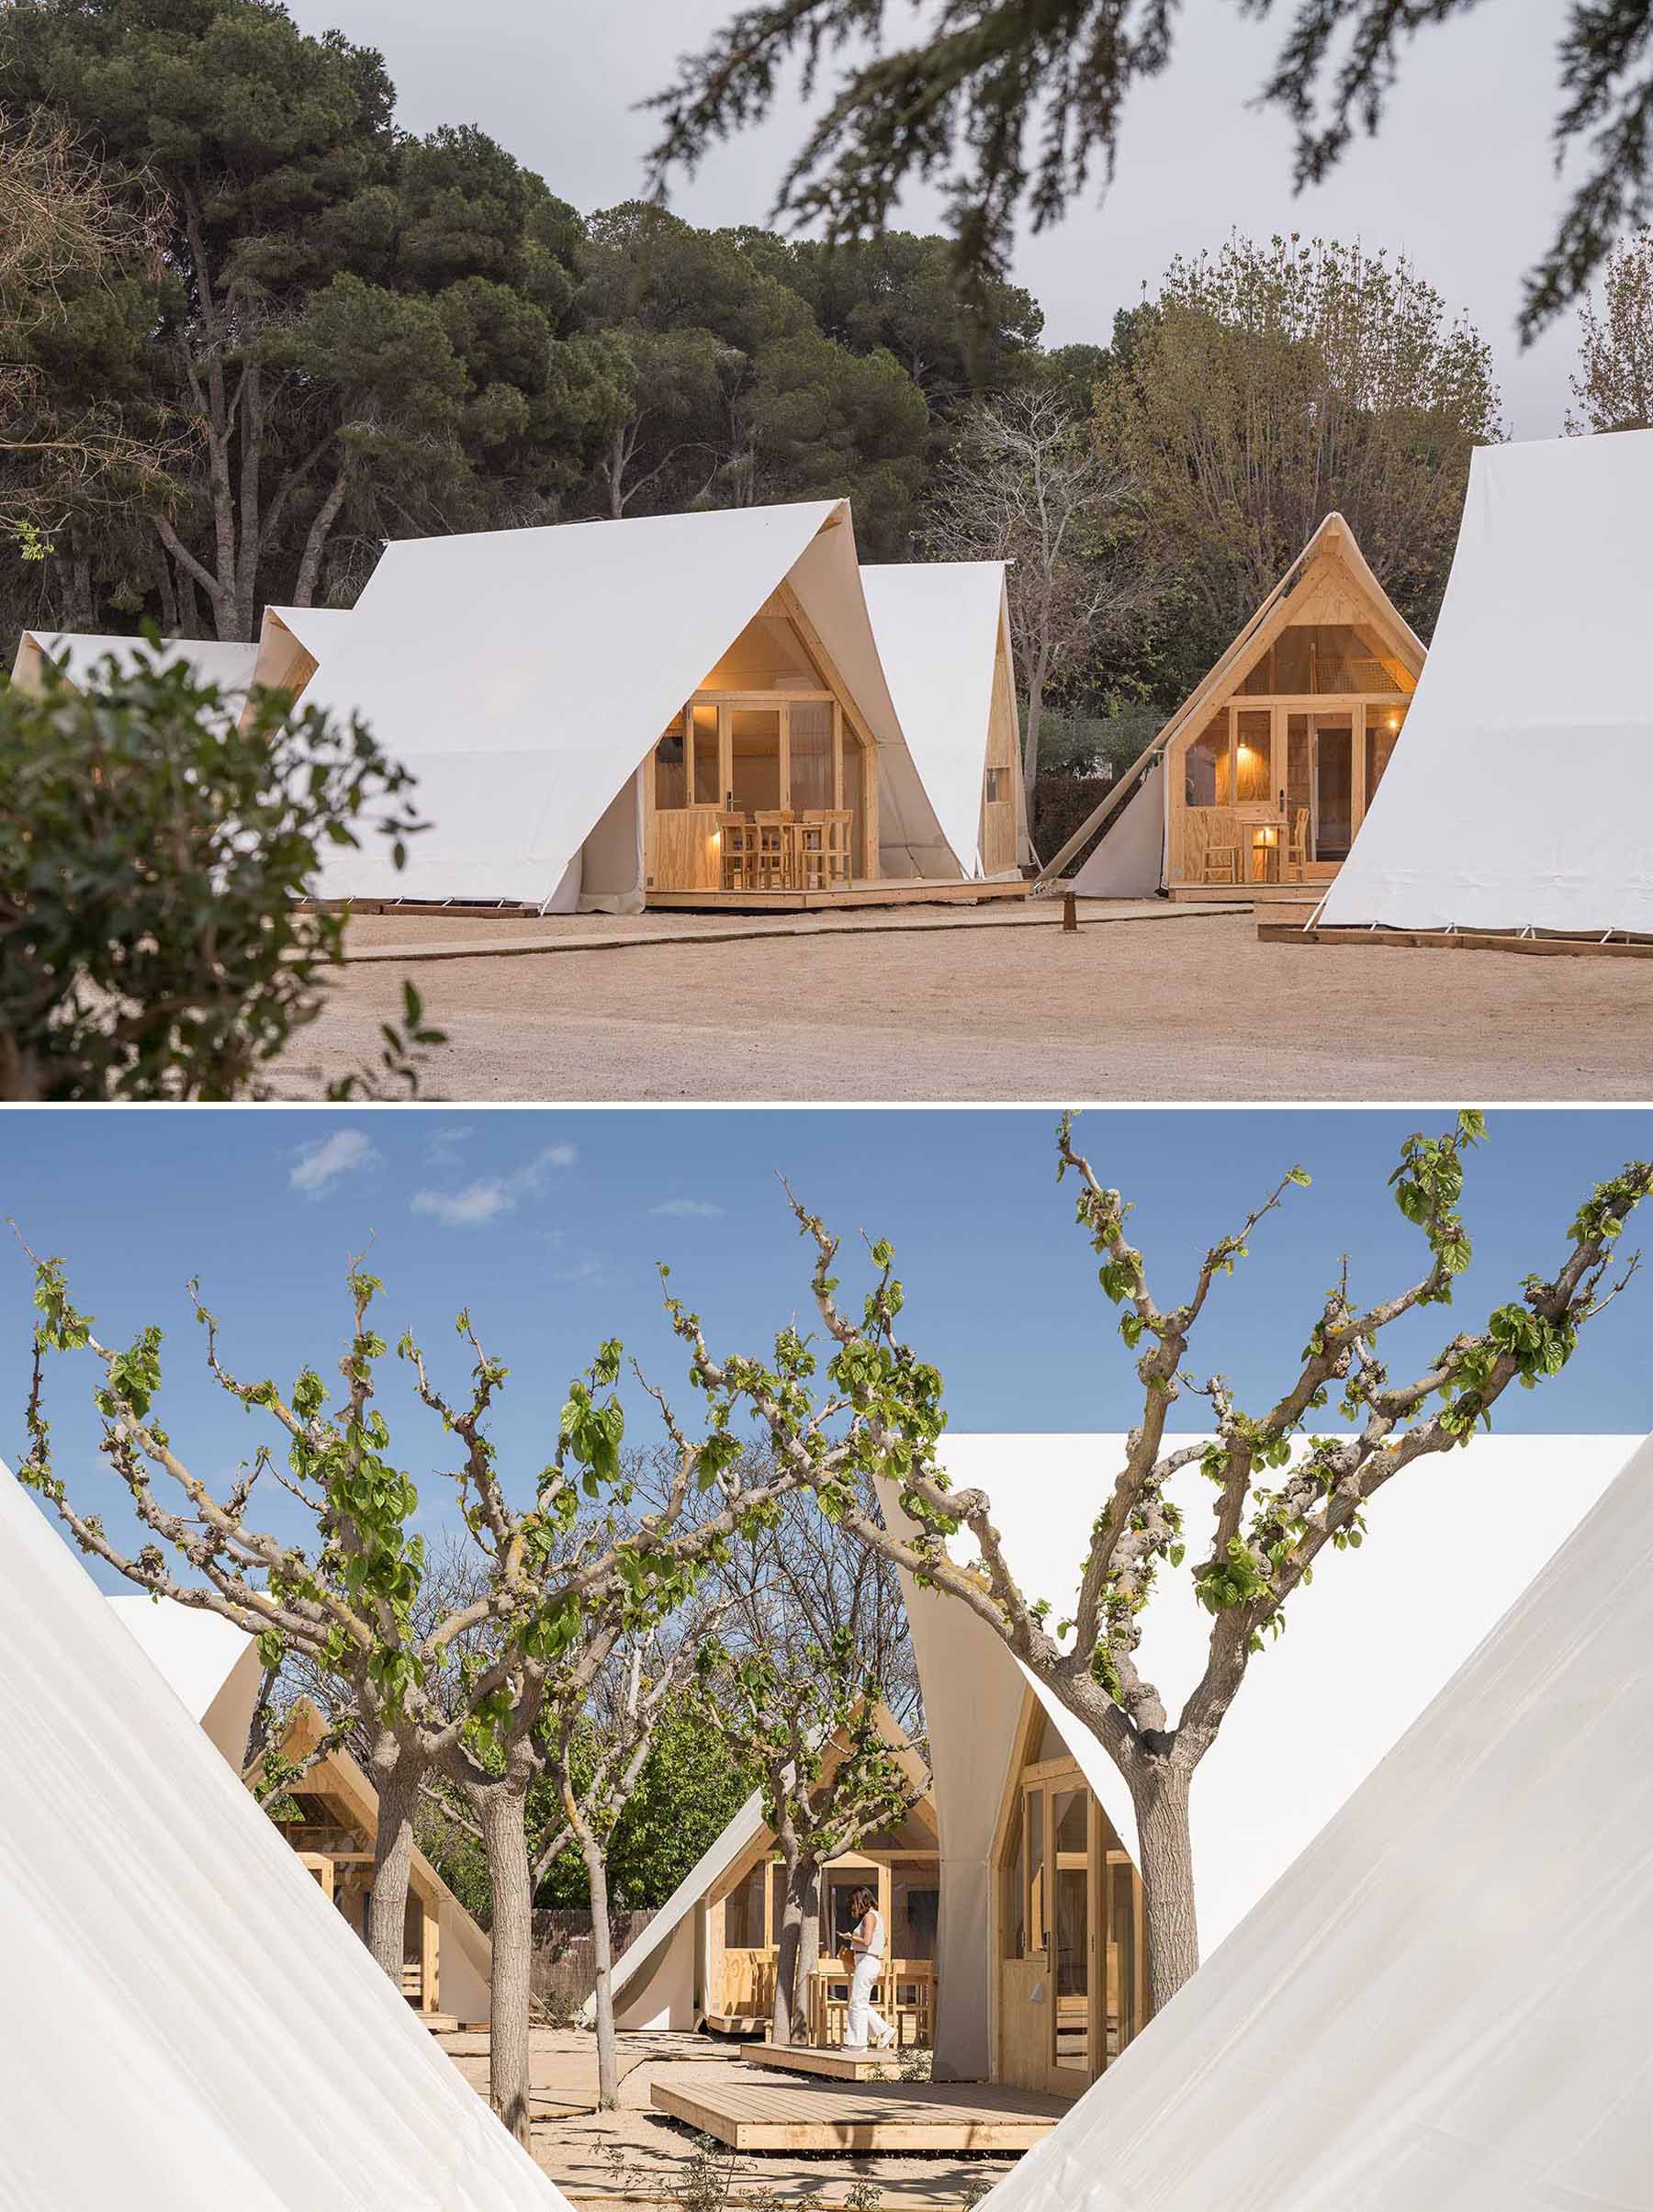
{"x":1185,"y":1006}
{"x":576,"y":2144}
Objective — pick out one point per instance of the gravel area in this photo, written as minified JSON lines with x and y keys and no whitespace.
{"x":1185,"y":1007}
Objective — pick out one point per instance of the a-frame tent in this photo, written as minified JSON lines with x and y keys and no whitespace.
{"x":1449,"y":1545}
{"x":1262,"y":777}
{"x":1518,"y":798}
{"x":526,"y":677}
{"x":673,"y":1974}
{"x":943,"y":633}
{"x":81,"y":655}
{"x":1446,"y":2002}
{"x":187,"y":2026}
{"x":212,"y":1666}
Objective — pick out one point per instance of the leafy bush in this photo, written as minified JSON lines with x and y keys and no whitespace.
{"x":155,"y":841}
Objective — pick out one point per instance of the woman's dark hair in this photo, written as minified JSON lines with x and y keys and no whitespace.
{"x":862,"y":1902}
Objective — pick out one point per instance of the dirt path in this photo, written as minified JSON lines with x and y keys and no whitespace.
{"x":1193,"y":1009}
{"x":636,"y":2156}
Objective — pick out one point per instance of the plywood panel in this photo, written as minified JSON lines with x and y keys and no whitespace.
{"x":683,"y":850}
{"x":748,"y":2113}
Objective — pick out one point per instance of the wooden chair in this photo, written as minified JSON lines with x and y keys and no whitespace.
{"x":837,"y":826}
{"x":1219,"y":858}
{"x":773,"y":852}
{"x":1296,"y":842}
{"x":737,"y":844}
{"x":821,"y":847}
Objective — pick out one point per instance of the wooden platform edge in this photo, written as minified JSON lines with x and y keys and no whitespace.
{"x":894,"y":2136}
{"x":1458,"y":940}
{"x":832,"y":2065}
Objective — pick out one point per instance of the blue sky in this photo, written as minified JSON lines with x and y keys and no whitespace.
{"x":547,"y":1223}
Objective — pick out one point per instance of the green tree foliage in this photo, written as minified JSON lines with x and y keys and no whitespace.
{"x":1613,"y":387}
{"x":689,"y":1791}
{"x":1267,"y":385}
{"x":1016,"y":106}
{"x":154,"y":839}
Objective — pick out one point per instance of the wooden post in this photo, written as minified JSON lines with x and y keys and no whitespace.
{"x":1070,"y":911}
{"x":430,"y":1960}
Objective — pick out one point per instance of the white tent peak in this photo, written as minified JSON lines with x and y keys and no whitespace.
{"x":938,"y":626}
{"x":1512,"y":798}
{"x":164,"y":1942}
{"x":1443,"y":2001}
{"x":1454,"y":1539}
{"x":209,"y":1664}
{"x":524,"y":675}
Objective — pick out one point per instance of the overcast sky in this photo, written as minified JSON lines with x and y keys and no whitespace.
{"x":1461,"y":178}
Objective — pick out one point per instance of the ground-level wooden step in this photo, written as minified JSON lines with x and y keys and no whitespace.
{"x":835,"y":2064}
{"x":736,"y":2024}
{"x":1457,"y":941}
{"x":747,"y":2113}
{"x":895,"y":891}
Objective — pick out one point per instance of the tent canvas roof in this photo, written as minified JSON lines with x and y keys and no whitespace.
{"x":1447,"y":2000}
{"x":192,"y":2025}
{"x":78,"y":653}
{"x":1452,"y":1540}
{"x":1514,"y":798}
{"x":524,"y":675}
{"x":211,"y":1665}
{"x":936,"y":624}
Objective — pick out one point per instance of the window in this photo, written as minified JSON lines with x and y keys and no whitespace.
{"x":1206,"y":766}
{"x":671,"y":789}
{"x":993,"y":783}
{"x":1253,"y":756}
{"x":1382,"y":733}
{"x":703,"y":728}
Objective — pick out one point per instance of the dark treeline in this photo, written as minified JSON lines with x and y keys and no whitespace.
{"x":290,"y":330}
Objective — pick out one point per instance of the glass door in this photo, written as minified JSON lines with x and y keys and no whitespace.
{"x":1071,"y":1935}
{"x":1333,"y":787}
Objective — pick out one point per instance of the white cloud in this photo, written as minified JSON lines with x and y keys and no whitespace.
{"x":320,"y":1164}
{"x":688,"y":1209}
{"x":491,"y":1196}
{"x":445,"y":1147}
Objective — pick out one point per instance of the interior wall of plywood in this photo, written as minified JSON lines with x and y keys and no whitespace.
{"x":1002,"y":810}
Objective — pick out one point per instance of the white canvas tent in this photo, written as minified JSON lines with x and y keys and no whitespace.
{"x":188,"y":2025}
{"x":1452,"y":1541}
{"x":524,"y":675}
{"x":79,"y":654}
{"x":1446,"y":2002}
{"x":1516,"y":796}
{"x":940,"y":627}
{"x":653,"y":1976}
{"x":211,"y":1666}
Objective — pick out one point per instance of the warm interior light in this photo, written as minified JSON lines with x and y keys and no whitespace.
{"x":1394,"y":721}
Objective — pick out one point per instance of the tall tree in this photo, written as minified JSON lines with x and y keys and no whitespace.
{"x":1612,"y":385}
{"x":1027,"y":483}
{"x":1266,"y":385}
{"x":458,"y":1691}
{"x":1281,"y":1494}
{"x":1018,"y":104}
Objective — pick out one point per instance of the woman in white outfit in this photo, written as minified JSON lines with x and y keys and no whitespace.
{"x":867,"y":1944}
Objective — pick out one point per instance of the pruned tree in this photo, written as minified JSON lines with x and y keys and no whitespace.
{"x":595,"y":1746}
{"x":459,"y":1692}
{"x":1029,"y":483}
{"x":805,"y":1714}
{"x":1017,"y":105}
{"x":1281,"y":1492}
{"x":1612,"y":385}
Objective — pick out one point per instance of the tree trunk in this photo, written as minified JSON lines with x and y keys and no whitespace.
{"x":315,"y":540}
{"x":501,"y":1809}
{"x":798,"y":1949}
{"x":396,"y":1779}
{"x":1161,"y":1797}
{"x":603,"y":1957}
{"x":1036,"y":686}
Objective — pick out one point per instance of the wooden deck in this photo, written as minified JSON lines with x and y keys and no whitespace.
{"x":898,"y":891}
{"x":1459,"y":940}
{"x":834,"y":2062}
{"x":1306,"y":895}
{"x":892,"y":2118}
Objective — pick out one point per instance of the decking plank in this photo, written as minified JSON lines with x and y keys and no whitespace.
{"x":750,"y":2113}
